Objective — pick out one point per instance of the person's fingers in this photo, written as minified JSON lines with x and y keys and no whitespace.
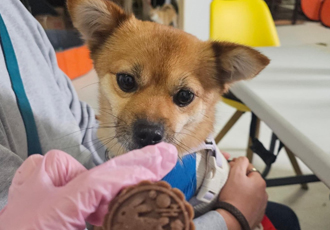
{"x":258,"y":180}
{"x":232,"y":162}
{"x":160,"y":159}
{"x":105,"y":192}
{"x":93,"y":190}
{"x":27,"y":168}
{"x":240,"y":165}
{"x":61,"y":167}
{"x":58,"y":165}
{"x":251,"y":169}
{"x":262,"y":209}
{"x":226,"y":155}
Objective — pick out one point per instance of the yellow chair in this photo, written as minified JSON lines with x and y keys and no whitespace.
{"x":248,"y":22}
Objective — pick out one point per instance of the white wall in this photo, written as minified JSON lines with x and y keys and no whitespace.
{"x":197,"y":18}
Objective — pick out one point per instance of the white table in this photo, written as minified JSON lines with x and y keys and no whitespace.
{"x":292,"y":96}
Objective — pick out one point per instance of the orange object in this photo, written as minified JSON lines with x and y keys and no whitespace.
{"x":311,"y":8}
{"x":75,"y":62}
{"x":325,"y":13}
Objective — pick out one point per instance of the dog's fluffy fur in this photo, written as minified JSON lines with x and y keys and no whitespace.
{"x":162,"y":60}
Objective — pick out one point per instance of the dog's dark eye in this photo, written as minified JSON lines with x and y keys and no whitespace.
{"x":183,"y":97}
{"x":126,"y":82}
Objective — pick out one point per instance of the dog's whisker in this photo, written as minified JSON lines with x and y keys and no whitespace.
{"x":104,"y":143}
{"x":100,"y":139}
{"x":92,"y":141}
{"x":181,"y":145}
{"x":109,"y":127}
{"x":110,"y":113}
{"x":119,"y":148}
{"x":90,"y":85}
{"x":207,"y":117}
{"x":102,"y":146}
{"x":74,"y":133}
{"x":112,"y":145}
{"x":122,"y":145}
{"x":126,"y":144}
{"x":115,"y":137}
{"x":188,"y":134}
{"x":79,"y":131}
{"x":186,"y":147}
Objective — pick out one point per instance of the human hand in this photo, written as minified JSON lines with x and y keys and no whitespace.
{"x":245,"y":192}
{"x":56,"y":192}
{"x":226,"y":155}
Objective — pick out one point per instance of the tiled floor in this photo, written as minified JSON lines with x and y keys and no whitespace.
{"x":312,"y":206}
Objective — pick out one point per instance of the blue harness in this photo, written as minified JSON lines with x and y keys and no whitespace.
{"x":183,"y":176}
{"x":200,"y":176}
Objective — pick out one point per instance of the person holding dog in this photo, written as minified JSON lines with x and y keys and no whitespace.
{"x":58,"y":190}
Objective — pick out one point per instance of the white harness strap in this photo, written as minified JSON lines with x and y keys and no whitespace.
{"x":212,"y":173}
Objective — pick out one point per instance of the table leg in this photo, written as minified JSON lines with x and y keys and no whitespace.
{"x":295,"y":165}
{"x":228,"y":126}
{"x":254,"y":133}
{"x":273,"y":143}
{"x":295,"y":12}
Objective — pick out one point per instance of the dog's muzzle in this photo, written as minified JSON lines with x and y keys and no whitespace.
{"x":147,"y":133}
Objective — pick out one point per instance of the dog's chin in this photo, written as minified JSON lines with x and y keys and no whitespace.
{"x":132,"y":146}
{"x":124,"y":144}
{"x":122,"y":147}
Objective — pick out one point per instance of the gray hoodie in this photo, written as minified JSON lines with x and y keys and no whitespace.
{"x":63,"y":122}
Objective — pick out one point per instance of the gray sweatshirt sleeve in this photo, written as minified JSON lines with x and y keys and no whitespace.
{"x":83,"y":113}
{"x":210,"y":221}
{"x":9,"y":163}
{"x":85,"y":118}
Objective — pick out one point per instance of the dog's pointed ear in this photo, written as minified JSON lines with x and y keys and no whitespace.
{"x":96,"y":19}
{"x":235,"y":62}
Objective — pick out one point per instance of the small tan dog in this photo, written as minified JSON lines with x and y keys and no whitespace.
{"x":165,"y":15}
{"x":157,"y":83}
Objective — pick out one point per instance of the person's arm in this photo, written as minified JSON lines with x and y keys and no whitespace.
{"x":246,"y":191}
{"x":83,"y":113}
{"x":212,"y":220}
{"x":9,"y":163}
{"x":56,"y":192}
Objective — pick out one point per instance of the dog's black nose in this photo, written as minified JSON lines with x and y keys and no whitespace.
{"x":147,"y":133}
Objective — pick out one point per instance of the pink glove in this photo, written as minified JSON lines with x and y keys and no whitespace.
{"x":56,"y":192}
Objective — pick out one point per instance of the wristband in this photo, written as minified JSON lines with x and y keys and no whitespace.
{"x":235,"y":212}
